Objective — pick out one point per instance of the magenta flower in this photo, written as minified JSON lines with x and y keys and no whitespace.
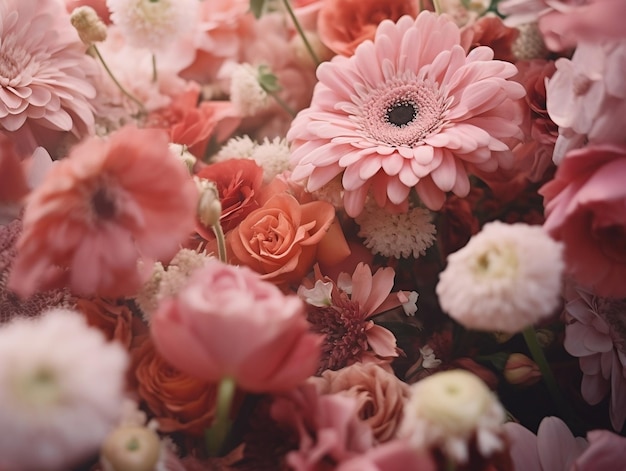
{"x":409,"y":110}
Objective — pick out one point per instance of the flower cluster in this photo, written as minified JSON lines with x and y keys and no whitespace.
{"x":312,"y":235}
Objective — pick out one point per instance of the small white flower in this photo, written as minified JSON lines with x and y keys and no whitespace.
{"x":505,"y":279}
{"x":319,"y":295}
{"x":152,"y":24}
{"x":409,"y":302}
{"x":246,"y":93}
{"x":429,"y":360}
{"x":396,"y":235}
{"x":448,"y":409}
{"x":272,"y":156}
{"x":61,"y":390}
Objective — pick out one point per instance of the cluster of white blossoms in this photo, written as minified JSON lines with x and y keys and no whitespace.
{"x":505,"y":279}
{"x":61,"y":386}
{"x":271,"y":155}
{"x":396,"y":235}
{"x":152,"y":24}
{"x":449,"y":409}
{"x":246,"y":93}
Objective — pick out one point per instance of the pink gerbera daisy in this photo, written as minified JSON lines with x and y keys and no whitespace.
{"x":410,"y":109}
{"x":45,"y":74}
{"x":108,"y":209}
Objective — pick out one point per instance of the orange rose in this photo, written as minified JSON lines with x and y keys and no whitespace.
{"x":115,"y":321}
{"x":344,"y":24}
{"x":179,"y":402}
{"x":283,"y":238}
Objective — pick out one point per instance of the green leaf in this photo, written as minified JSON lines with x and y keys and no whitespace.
{"x":257,"y":7}
{"x":268,"y":80}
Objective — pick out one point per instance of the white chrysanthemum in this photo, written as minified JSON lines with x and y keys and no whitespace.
{"x":152,"y":23}
{"x":448,"y":409}
{"x":506,"y":278}
{"x":246,"y":93}
{"x":239,"y":147}
{"x":396,"y":235}
{"x":61,"y":386}
{"x":272,"y":156}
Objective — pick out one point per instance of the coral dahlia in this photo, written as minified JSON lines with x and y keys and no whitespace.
{"x":410,"y":109}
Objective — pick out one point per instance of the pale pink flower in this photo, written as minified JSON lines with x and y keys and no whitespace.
{"x":111,"y":204}
{"x":396,"y":455}
{"x":584,"y":207}
{"x":586,"y":96}
{"x":343,"y":312}
{"x":596,"y":334}
{"x":45,"y":75}
{"x":606,"y":451}
{"x":564,"y":23}
{"x":61,"y":387}
{"x":227,"y":322}
{"x":554,"y":448}
{"x":380,"y":395}
{"x":407,"y":111}
{"x":327,"y":428}
{"x":506,"y":278}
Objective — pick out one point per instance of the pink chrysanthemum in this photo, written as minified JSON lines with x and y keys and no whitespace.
{"x":342,"y":311}
{"x":100,"y":212}
{"x":410,"y":109}
{"x":596,"y":334}
{"x":44,"y":73}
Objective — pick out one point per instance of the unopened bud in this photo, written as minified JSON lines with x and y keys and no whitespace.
{"x":91,"y":29}
{"x":545,"y":337}
{"x":131,"y":448}
{"x":521,"y":370}
{"x":209,"y":206}
{"x":184,"y":155}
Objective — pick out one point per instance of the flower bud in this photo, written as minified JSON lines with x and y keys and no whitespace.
{"x":521,"y":370}
{"x":209,"y":206}
{"x":131,"y":448}
{"x":91,"y":29}
{"x":545,"y":337}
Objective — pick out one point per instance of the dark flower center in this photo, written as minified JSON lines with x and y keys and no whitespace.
{"x":103,"y":205}
{"x":402,"y":113}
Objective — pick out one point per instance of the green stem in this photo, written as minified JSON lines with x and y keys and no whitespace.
{"x":142,"y":108}
{"x":221,"y":241}
{"x":216,"y":435}
{"x":437,"y":7}
{"x":296,"y":23}
{"x":283,"y":104}
{"x":530,"y":336}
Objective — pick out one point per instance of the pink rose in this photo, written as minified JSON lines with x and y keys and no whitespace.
{"x":380,"y":395}
{"x":585,"y":208}
{"x":227,"y":322}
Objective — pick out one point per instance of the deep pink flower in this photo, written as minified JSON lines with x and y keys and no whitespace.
{"x":342,"y":311}
{"x":110,"y":204}
{"x":596,"y":334}
{"x":227,"y":322}
{"x":409,"y":109}
{"x":584,"y":206}
{"x":45,"y":85}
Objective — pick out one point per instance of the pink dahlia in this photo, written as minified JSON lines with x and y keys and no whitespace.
{"x":110,"y":208}
{"x":409,"y":110}
{"x":45,"y":85}
{"x":596,"y":334}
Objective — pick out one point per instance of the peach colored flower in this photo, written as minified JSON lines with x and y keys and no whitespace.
{"x":100,"y":212}
{"x":179,"y":402}
{"x":380,"y":395}
{"x":227,"y":322}
{"x":193,"y":124}
{"x":342,"y":311}
{"x":283,"y":238}
{"x":584,"y":206}
{"x":344,"y":24}
{"x":45,"y":75}
{"x":489,"y":30}
{"x":113,"y":319}
{"x":407,"y":112}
